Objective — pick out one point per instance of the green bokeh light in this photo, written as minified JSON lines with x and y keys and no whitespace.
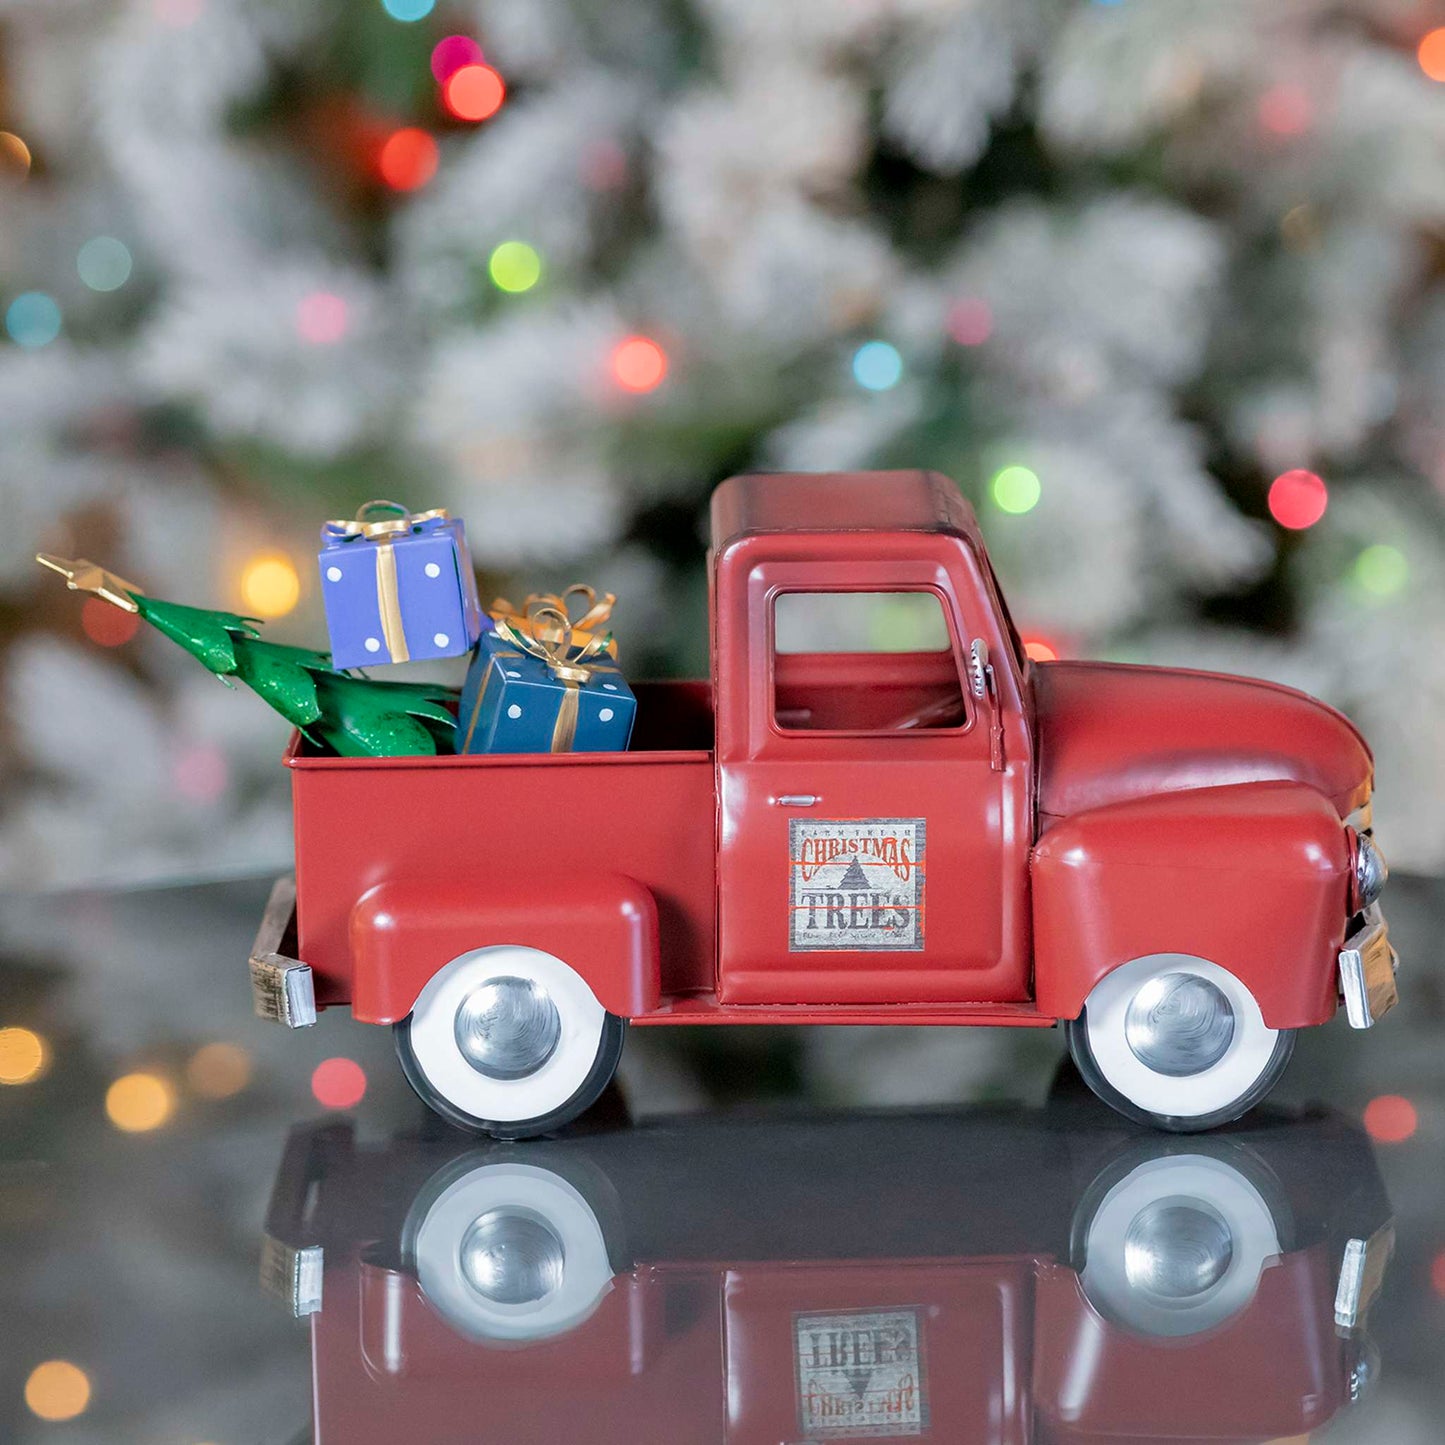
{"x":1382,"y":570}
{"x":1016,"y":490}
{"x":104,"y":263}
{"x":514,"y":266}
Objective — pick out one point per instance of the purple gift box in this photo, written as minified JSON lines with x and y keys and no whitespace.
{"x":398,"y":587}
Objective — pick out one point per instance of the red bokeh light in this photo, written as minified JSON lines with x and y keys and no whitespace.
{"x":1390,"y":1119}
{"x":451,"y":53}
{"x":1286,"y":110}
{"x":1437,"y":1273}
{"x":1431,"y":54}
{"x":603,"y":166}
{"x":639,"y":364}
{"x":474,"y":92}
{"x":1041,"y":650}
{"x":107,"y":625}
{"x":1297,"y":499}
{"x":200,"y":773}
{"x":338,"y":1083}
{"x":408,"y":159}
{"x":970,"y":321}
{"x":321,"y":318}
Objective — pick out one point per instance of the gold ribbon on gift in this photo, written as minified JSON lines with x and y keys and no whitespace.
{"x":564,"y":728}
{"x":397,"y":522}
{"x":596,"y":611}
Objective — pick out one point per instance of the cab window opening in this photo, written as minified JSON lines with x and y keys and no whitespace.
{"x":864,"y":661}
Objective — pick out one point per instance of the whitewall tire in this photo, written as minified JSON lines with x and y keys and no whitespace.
{"x":509,"y":1041}
{"x":1176,"y":1246}
{"x":508,"y":1251}
{"x":1177,"y":1042}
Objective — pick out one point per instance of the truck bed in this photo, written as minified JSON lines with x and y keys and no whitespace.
{"x":649,"y":812}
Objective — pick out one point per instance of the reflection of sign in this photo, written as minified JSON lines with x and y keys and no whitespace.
{"x":860,"y":1374}
{"x":855,"y":883}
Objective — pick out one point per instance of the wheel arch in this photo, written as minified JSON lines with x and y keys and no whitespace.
{"x":602,"y":925}
{"x":1253,"y":877}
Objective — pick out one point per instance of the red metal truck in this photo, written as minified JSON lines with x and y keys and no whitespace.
{"x":992,"y":1275}
{"x":879,"y":810}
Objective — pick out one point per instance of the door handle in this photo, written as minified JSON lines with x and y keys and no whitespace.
{"x":795,"y":800}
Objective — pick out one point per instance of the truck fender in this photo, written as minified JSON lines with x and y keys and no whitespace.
{"x":1253,"y":877}
{"x":603,"y":925}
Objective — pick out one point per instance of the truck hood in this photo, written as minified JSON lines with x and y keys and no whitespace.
{"x":1109,"y":732}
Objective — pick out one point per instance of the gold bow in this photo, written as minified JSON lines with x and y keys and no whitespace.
{"x":399,"y":521}
{"x":583,"y":628}
{"x":547,"y":634}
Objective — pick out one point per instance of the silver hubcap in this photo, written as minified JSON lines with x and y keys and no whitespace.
{"x":1177,"y":1249}
{"x":508,"y":1028}
{"x":1179,"y":1024}
{"x":512,"y":1256}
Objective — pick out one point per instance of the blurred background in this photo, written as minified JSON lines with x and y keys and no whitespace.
{"x":1161,"y":284}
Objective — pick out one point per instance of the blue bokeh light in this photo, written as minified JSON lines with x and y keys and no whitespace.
{"x":877,"y":366}
{"x":408,"y":10}
{"x":33,"y":320}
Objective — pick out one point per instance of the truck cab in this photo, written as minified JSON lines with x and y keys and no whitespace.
{"x":877,"y":809}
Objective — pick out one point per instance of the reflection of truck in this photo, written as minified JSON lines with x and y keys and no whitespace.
{"x":879,"y":810}
{"x":1000,"y":1276}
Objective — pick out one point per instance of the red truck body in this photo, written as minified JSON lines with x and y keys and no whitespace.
{"x":1034,"y":827}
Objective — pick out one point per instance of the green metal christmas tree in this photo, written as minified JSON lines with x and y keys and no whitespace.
{"x":336,"y":711}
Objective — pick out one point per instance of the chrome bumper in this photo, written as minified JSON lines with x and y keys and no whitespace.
{"x":1367,"y":971}
{"x":281,"y":986}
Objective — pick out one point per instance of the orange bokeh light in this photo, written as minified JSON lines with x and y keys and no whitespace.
{"x":474,"y":92}
{"x":57,"y":1390}
{"x":639,"y":364}
{"x":1437,"y":1273}
{"x":338,"y":1083}
{"x":1431,"y":54}
{"x":109,"y":626}
{"x":1040,"y":650}
{"x":408,"y":159}
{"x":1390,"y":1119}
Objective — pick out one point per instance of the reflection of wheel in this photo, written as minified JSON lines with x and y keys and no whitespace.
{"x":508,"y":1251}
{"x":509,"y":1042}
{"x":1177,"y":1042}
{"x":1176,"y":1246}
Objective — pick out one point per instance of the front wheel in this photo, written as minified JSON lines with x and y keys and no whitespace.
{"x":1177,"y":1042}
{"x":510,"y":1042}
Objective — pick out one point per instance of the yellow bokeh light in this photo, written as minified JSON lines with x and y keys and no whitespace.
{"x":23,"y":1056}
{"x":218,"y":1070}
{"x":14,"y":154}
{"x":57,"y":1390}
{"x":139,"y":1102}
{"x":270,"y":586}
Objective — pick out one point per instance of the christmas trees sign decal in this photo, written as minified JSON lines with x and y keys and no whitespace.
{"x":856,"y":883}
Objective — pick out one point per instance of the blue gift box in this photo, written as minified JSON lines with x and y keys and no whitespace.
{"x":513,"y":703}
{"x":398,"y":588}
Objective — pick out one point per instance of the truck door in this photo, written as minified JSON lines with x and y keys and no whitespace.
{"x":871,"y":851}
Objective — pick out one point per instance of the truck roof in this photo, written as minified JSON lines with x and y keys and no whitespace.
{"x":912,"y":501}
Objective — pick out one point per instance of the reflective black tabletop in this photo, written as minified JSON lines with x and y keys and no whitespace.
{"x":213,"y":1229}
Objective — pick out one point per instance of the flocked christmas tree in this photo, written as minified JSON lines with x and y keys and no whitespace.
{"x":1154,"y":280}
{"x":336,"y":712}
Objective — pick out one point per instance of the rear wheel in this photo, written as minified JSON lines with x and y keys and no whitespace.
{"x":1177,"y":1042}
{"x":509,"y":1042}
{"x":512,"y":1250}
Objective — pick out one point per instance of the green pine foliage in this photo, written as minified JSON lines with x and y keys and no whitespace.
{"x":352,"y":717}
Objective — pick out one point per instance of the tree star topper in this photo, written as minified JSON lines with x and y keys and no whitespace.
{"x":84,"y":576}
